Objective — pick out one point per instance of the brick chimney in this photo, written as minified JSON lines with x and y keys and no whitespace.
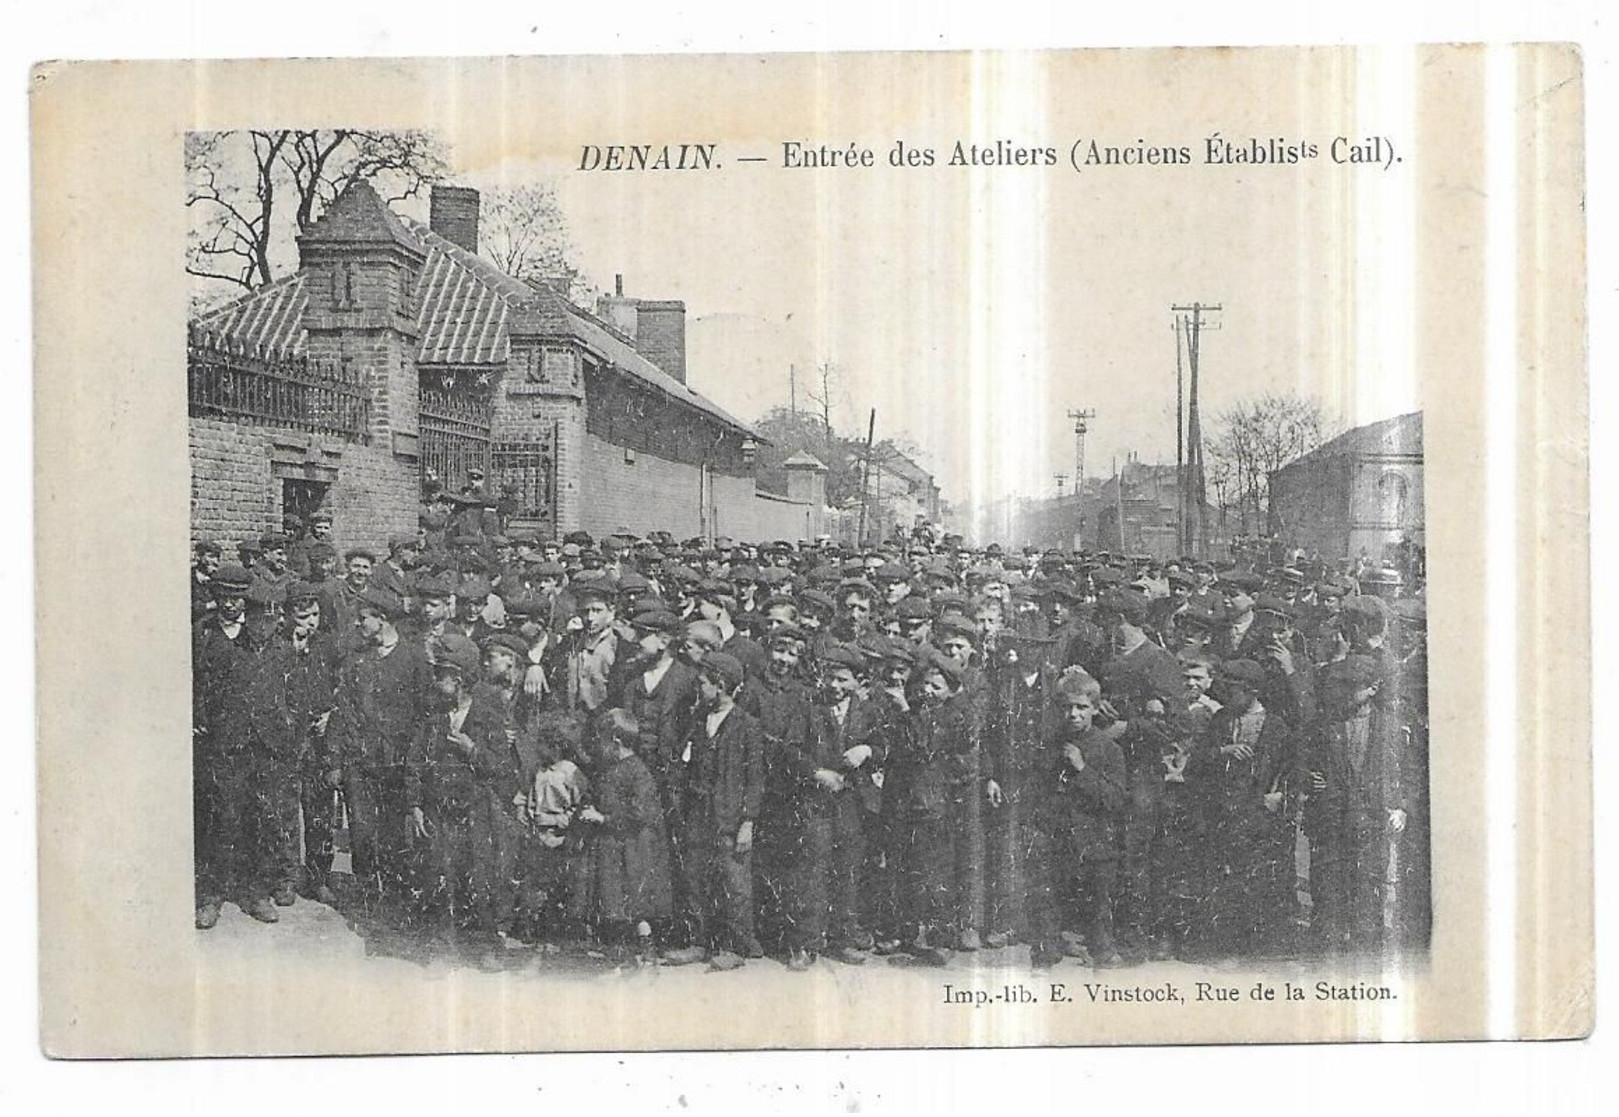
{"x":660,"y":333}
{"x":453,"y":215}
{"x":657,"y":326}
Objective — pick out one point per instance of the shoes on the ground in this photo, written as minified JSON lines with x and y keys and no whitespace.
{"x":1078,"y":952}
{"x":207,"y":915}
{"x":1107,"y":953}
{"x":800,"y":960}
{"x":969,"y":940}
{"x":285,"y":894}
{"x":848,"y":955}
{"x":863,"y":940}
{"x":1044,"y":959}
{"x":684,"y":956}
{"x":325,"y":895}
{"x":886,"y":947}
{"x":751,"y":949}
{"x":261,"y":909}
{"x":926,"y":955}
{"x":995,"y":940}
{"x":726,"y":960}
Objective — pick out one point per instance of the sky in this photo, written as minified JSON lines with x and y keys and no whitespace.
{"x":972,"y":307}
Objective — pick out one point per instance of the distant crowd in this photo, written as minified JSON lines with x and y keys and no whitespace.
{"x":667,"y":752}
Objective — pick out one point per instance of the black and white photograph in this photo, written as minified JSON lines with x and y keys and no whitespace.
{"x":482,"y":578}
{"x":821,"y":551}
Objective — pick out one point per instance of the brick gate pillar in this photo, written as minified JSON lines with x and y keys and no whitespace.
{"x":361,"y":269}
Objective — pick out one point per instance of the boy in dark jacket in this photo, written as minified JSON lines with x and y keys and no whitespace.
{"x":312,"y":663}
{"x":625,"y":889}
{"x":722,"y":788}
{"x":1079,"y":813}
{"x":383,"y":696}
{"x":241,"y":725}
{"x":1245,"y":774}
{"x":830,"y":769}
{"x":931,"y":786}
{"x":460,"y":781}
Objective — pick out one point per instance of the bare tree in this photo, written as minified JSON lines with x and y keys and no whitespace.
{"x":826,"y":391}
{"x":524,"y":233}
{"x":250,"y":193}
{"x":1255,"y":439}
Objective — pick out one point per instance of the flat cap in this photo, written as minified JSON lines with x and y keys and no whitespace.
{"x":724,"y":667}
{"x":458,"y":653}
{"x":230,"y":580}
{"x":510,"y":641}
{"x":1244,"y":671}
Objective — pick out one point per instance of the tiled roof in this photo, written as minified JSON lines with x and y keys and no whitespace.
{"x":269,"y":320}
{"x":466,"y":309}
{"x":465,"y":302}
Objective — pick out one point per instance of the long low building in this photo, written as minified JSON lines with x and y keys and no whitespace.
{"x":396,"y":354}
{"x":1359,"y":494}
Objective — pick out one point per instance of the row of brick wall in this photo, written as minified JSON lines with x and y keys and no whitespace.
{"x":236,"y":490}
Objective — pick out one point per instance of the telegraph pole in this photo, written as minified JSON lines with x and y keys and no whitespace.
{"x":865,"y":477}
{"x":1191,"y":319}
{"x":1080,"y":418}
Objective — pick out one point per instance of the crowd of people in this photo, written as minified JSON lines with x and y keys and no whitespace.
{"x":673,"y":752}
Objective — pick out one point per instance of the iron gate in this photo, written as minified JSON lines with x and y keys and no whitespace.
{"x":455,"y":426}
{"x":525,"y":476}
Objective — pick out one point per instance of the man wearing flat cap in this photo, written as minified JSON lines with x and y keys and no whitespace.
{"x":660,"y":694}
{"x":1139,"y":684}
{"x":1238,"y":589}
{"x":830,"y":770}
{"x":272,"y":568}
{"x":1355,"y":809}
{"x":383,"y":698}
{"x":240,"y":726}
{"x":1248,"y":775}
{"x":722,"y":779}
{"x":595,"y":659}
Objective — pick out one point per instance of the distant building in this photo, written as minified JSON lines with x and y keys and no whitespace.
{"x":1146,"y":494}
{"x":903,"y":495}
{"x":1358,"y":494}
{"x":395,"y":355}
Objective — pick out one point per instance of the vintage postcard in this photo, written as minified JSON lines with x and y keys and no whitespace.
{"x":811,"y":551}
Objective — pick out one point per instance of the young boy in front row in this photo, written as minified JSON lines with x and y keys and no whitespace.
{"x":625,"y":887}
{"x":722,"y":776}
{"x":1080,"y":791}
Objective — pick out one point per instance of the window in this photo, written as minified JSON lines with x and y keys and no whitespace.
{"x":1392,"y":493}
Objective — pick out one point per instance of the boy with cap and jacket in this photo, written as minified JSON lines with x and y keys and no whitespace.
{"x":1140,"y":684}
{"x":1080,"y":798}
{"x":383,"y":696}
{"x":1355,"y":805}
{"x":931,"y":787}
{"x":461,"y":778}
{"x":312,"y":667}
{"x":1246,"y":774}
{"x":829,"y":764}
{"x":722,"y":788}
{"x":239,"y":720}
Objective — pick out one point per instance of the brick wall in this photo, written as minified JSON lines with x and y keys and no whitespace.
{"x":760,"y":516}
{"x":528,"y":409}
{"x":654,"y":494}
{"x":237,"y":470}
{"x":231,"y":495}
{"x":650,"y":494}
